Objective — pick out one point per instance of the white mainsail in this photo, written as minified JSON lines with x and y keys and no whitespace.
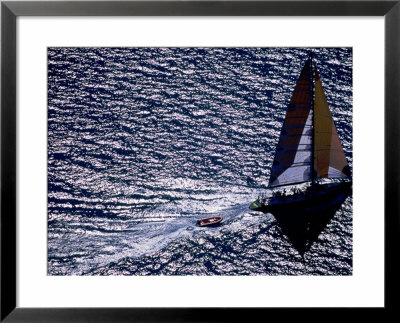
{"x":293,"y":157}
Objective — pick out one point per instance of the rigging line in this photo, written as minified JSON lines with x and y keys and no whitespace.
{"x":291,"y":165}
{"x":298,"y":126}
{"x":297,"y":117}
{"x":295,"y":135}
{"x":290,"y":147}
{"x":293,"y":152}
{"x":288,"y":184}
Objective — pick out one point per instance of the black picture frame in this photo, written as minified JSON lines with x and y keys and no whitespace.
{"x":10,"y":10}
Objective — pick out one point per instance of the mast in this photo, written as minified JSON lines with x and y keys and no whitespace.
{"x":313,"y":119}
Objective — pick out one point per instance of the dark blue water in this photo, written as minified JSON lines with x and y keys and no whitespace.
{"x":142,"y":142}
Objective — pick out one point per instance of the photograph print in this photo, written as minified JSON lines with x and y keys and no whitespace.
{"x":199,"y":161}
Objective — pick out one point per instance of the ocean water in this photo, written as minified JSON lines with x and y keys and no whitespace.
{"x":142,"y":142}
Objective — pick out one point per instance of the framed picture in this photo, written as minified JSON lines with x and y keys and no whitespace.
{"x":192,"y":165}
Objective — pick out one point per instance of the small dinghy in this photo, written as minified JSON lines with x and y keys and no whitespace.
{"x":214,"y":220}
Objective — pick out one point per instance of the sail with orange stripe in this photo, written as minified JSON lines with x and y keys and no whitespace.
{"x":293,"y":157}
{"x":329,"y":158}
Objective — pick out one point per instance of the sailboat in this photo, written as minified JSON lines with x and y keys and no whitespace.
{"x":310,"y":169}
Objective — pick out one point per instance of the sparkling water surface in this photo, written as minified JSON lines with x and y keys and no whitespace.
{"x":142,"y":142}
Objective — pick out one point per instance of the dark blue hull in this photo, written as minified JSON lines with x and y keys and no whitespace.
{"x":323,"y":197}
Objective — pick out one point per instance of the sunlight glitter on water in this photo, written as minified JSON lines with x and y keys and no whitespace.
{"x":144,"y":141}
